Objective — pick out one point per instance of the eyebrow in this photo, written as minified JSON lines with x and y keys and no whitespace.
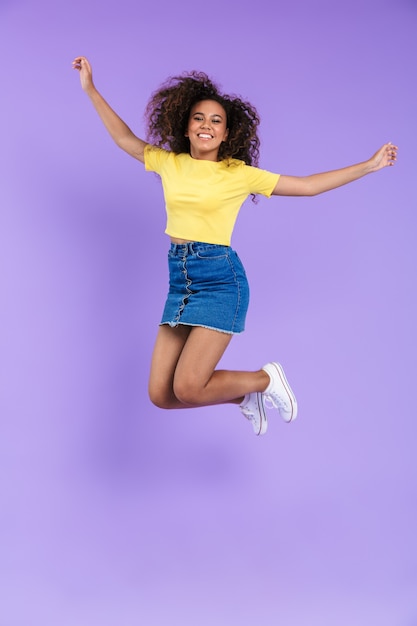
{"x":211,"y":115}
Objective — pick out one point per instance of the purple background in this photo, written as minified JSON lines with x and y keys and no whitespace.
{"x":115,"y":513}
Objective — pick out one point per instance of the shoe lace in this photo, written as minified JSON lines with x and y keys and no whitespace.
{"x":276,"y":402}
{"x":247,"y":412}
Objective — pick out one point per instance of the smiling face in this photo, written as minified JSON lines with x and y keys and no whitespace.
{"x":207,"y":129}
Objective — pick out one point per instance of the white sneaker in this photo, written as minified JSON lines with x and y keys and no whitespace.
{"x":279,"y":393}
{"x":253,"y":409}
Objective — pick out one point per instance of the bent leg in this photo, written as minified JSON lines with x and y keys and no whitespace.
{"x":196,"y":382}
{"x":183,"y":373}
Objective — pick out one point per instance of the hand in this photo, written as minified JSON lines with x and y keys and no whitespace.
{"x":387,"y":155}
{"x":86,"y":73}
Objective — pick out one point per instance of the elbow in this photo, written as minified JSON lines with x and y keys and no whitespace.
{"x":122,"y":141}
{"x":310,"y":189}
{"x":313,"y":188}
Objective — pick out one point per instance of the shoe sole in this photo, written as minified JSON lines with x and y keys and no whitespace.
{"x":261,"y":409}
{"x":289,"y":391}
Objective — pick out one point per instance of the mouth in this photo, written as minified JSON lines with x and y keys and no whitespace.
{"x":204,"y":136}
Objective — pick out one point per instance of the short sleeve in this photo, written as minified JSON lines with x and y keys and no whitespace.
{"x":260,"y":181}
{"x":154,"y":158}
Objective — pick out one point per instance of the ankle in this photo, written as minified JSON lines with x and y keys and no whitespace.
{"x":266,"y":381}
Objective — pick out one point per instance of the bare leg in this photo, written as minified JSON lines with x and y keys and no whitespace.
{"x":167,"y":350}
{"x":183,"y":370}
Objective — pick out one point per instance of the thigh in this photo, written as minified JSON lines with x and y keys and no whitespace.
{"x":168,"y":347}
{"x":200,"y":355}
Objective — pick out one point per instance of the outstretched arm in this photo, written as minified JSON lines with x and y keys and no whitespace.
{"x":318,"y":183}
{"x":117,"y":128}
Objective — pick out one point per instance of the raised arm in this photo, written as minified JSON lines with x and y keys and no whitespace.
{"x":319,"y":183}
{"x":119,"y":131}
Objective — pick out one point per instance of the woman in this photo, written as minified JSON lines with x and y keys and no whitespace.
{"x":205,"y":147}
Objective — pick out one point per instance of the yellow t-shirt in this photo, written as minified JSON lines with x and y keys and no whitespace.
{"x":203,"y":198}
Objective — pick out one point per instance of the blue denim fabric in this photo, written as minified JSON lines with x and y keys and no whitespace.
{"x":207,"y":287}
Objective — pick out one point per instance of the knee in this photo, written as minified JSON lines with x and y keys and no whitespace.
{"x":161,"y":399}
{"x":188,"y":392}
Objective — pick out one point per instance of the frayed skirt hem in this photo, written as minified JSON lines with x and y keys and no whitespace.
{"x":220,"y":330}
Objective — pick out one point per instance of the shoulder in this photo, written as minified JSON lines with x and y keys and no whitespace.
{"x":152,"y":151}
{"x":156,"y":157}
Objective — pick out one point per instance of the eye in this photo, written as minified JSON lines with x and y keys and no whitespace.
{"x":198,"y":118}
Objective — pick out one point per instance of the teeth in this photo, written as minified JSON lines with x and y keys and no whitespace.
{"x":204,"y":136}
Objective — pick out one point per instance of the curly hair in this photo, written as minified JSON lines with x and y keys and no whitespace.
{"x":168,"y":110}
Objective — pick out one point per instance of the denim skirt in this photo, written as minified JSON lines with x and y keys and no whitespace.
{"x":207,"y":287}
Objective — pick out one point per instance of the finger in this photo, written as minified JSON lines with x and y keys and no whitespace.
{"x":78,"y":62}
{"x":392,"y":155}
